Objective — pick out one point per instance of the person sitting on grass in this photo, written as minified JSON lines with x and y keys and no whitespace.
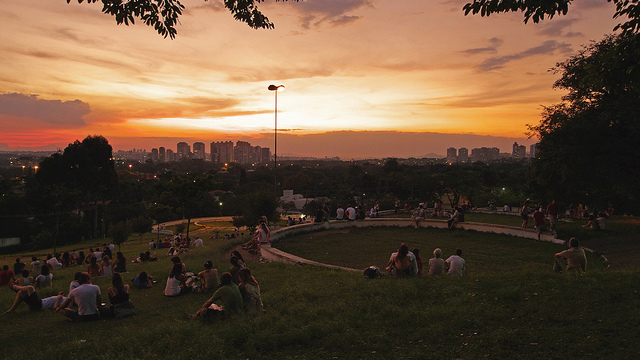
{"x":572,"y":259}
{"x":436,"y":263}
{"x":120,"y":263}
{"x":177,"y":260}
{"x":236,"y":266}
{"x":6,"y":276}
{"x":25,"y":280}
{"x":209,"y":277}
{"x":176,"y":282}
{"x":416,"y":253}
{"x":28,"y":295}
{"x":118,"y":292}
{"x":250,"y":291}
{"x":592,"y":224}
{"x":74,"y":283}
{"x":225,"y":302}
{"x":87,"y":296}
{"x":456,"y":264}
{"x":403,"y":262}
{"x":45,"y":279}
{"x":93,"y":269}
{"x":106,"y":265}
{"x":143,"y":281}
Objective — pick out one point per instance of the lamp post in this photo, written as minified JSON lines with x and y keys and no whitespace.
{"x":275,"y":135}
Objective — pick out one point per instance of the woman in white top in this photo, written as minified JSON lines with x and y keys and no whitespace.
{"x":175,"y":282}
{"x":107,"y":266}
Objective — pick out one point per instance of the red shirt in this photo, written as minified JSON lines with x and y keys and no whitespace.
{"x":538,"y":218}
{"x":5,"y":277}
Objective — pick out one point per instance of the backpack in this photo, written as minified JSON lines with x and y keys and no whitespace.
{"x":372,"y":272}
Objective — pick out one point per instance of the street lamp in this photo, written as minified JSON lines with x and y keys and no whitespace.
{"x":275,"y":134}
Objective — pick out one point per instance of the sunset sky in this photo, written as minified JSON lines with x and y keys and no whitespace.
{"x":404,"y":71}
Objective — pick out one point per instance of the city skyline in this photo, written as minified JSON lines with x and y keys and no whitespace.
{"x":403,"y":71}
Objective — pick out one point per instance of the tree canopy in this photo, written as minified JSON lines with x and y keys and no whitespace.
{"x":536,"y":10}
{"x":163,"y":15}
{"x":588,"y":142}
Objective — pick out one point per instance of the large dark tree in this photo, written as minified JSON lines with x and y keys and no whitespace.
{"x":589,"y":143}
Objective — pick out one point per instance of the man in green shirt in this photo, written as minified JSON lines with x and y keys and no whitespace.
{"x":226,"y":301}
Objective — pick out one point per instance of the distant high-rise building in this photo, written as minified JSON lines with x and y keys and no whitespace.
{"x":519,"y":151}
{"x":533,"y":150}
{"x":266,"y":155}
{"x":452,"y":154}
{"x":485,"y":154}
{"x":222,"y":152}
{"x":199,"y":151}
{"x":241,"y":152}
{"x":154,"y":155}
{"x":170,"y":155}
{"x":183,"y":150}
{"x":161,"y":154}
{"x":463,"y":155}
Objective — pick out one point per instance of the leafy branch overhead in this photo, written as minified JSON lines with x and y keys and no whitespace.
{"x":164,"y":15}
{"x":536,"y":10}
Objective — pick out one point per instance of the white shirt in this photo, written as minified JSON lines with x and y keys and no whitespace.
{"x":198,"y":243}
{"x":456,"y":265}
{"x":86,"y":297}
{"x":351,"y":213}
{"x":340,"y":213}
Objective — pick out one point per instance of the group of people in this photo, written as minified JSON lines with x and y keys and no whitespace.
{"x":405,"y":263}
{"x":86,"y":297}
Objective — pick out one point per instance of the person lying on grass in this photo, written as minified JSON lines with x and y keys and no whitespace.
{"x":225,"y":302}
{"x":28,"y":295}
{"x":143,"y":281}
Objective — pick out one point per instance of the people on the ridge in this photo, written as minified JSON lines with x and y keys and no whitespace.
{"x":552,"y":215}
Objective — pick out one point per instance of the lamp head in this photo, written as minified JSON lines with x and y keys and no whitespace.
{"x":275,"y":88}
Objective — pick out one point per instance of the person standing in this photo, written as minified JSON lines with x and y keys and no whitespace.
{"x":524,"y":213}
{"x":552,"y":215}
{"x":538,"y":221}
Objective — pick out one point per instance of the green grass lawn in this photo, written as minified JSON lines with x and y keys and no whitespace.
{"x":501,"y":310}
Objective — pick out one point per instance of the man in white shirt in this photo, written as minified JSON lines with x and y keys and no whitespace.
{"x":53,"y":262}
{"x":351,"y":213}
{"x":456,"y":264}
{"x":87,"y":297}
{"x":198,"y":242}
